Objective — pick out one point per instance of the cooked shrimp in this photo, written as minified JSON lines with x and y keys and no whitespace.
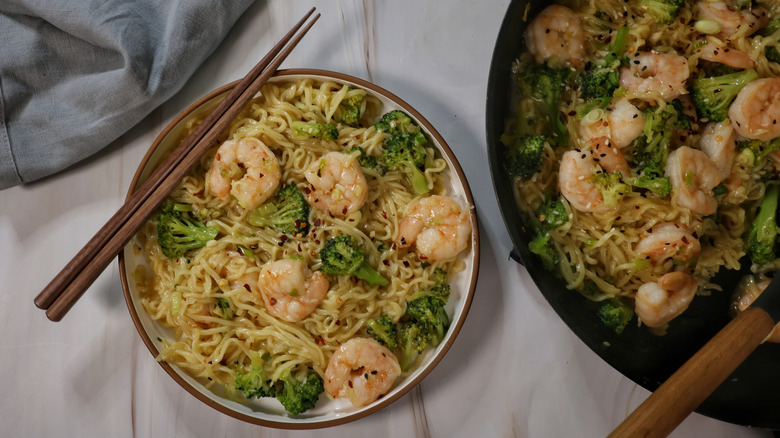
{"x":290,"y":290}
{"x":361,"y":370}
{"x":716,"y":52}
{"x":752,"y":289}
{"x":656,"y":73}
{"x":336,"y":184}
{"x":755,"y":112}
{"x":719,"y":142}
{"x":246,"y":169}
{"x":608,"y":156}
{"x":658,"y":303}
{"x":731,"y":21}
{"x":693,"y":176}
{"x":438,"y":226}
{"x":622,"y":125}
{"x":557,"y":33}
{"x":668,"y":240}
{"x":575,"y":181}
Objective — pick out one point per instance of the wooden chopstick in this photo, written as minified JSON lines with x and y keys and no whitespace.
{"x":68,"y":286}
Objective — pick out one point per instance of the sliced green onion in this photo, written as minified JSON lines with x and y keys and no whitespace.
{"x":746,"y":157}
{"x":689,"y":178}
{"x":621,"y":39}
{"x":601,"y":102}
{"x":640,"y":264}
{"x":246,"y":251}
{"x":709,"y":27}
{"x":176,"y":302}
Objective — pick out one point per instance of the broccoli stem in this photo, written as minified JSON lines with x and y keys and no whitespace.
{"x":370,"y":275}
{"x":763,"y":231}
{"x":417,"y":180}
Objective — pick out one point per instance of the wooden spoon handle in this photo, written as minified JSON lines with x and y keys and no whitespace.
{"x":687,"y":388}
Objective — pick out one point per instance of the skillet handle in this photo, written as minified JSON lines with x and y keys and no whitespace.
{"x":690,"y":385}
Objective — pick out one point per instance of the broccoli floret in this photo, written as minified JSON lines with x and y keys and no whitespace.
{"x":344,"y":255}
{"x":653,"y":179}
{"x":288,"y":213}
{"x":758,"y":149}
{"x":652,"y":148}
{"x":226,"y":312}
{"x":396,"y":122}
{"x":524,"y":156}
{"x":405,"y":152}
{"x":712,"y":96}
{"x":763,"y":231}
{"x":772,"y":54}
{"x":427,"y":306}
{"x":712,"y":68}
{"x":615,"y":314}
{"x":611,"y":186}
{"x":179,"y":230}
{"x":425,"y":322}
{"x":683,"y":121}
{"x":772,"y":29}
{"x":429,"y":310}
{"x":662,"y":11}
{"x":540,"y":88}
{"x":603,"y":79}
{"x":300,"y":395}
{"x":366,"y":161}
{"x":413,"y":339}
{"x":542,"y":245}
{"x":552,"y":213}
{"x":441,"y":287}
{"x":348,"y":111}
{"x":253,"y":382}
{"x":322,"y":131}
{"x":599,"y":82}
{"x":384,"y":331}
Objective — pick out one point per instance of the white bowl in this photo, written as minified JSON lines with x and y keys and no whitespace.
{"x":327,"y":412}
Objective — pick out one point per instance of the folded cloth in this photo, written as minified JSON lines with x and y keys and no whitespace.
{"x":77,"y":74}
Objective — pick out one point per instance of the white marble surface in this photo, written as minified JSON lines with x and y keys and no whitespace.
{"x":515,"y":369}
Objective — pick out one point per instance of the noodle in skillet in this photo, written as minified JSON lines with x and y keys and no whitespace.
{"x":193,"y":294}
{"x":608,"y":251}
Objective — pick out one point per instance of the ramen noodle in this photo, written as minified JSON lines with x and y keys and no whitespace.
{"x":618,"y":234}
{"x":217,"y":299}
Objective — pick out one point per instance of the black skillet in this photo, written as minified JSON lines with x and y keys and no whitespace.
{"x":750,"y":396}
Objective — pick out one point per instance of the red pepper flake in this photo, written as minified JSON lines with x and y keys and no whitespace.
{"x":384,"y":214}
{"x":246,"y":286}
{"x":422,"y":257}
{"x":273,"y":301}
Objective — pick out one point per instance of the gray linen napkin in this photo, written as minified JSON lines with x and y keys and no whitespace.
{"x":77,"y":74}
